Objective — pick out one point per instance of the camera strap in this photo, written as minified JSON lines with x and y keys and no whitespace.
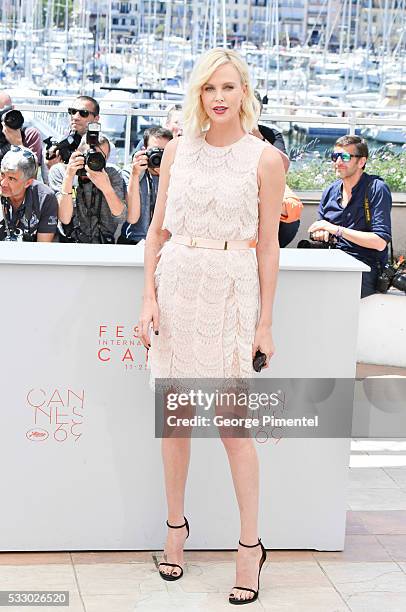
{"x":96,"y":193}
{"x":23,"y":210}
{"x":367,"y":213}
{"x":151,"y":194}
{"x":5,"y":204}
{"x":93,"y":210}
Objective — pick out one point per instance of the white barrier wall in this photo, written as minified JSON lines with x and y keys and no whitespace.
{"x":385,"y":314}
{"x":81,"y":469}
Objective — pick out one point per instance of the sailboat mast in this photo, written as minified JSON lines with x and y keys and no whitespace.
{"x":28,"y":41}
{"x":385,"y":44}
{"x":206,"y":24}
{"x":342,"y":26}
{"x":268,"y":45}
{"x":223,"y":10}
{"x":328,"y":29}
{"x":215,"y":8}
{"x":368,"y":43}
{"x":278,"y":72}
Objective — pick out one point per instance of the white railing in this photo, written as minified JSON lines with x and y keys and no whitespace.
{"x":54,"y":117}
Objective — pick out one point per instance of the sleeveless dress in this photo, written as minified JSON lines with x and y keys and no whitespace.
{"x":208,"y":299}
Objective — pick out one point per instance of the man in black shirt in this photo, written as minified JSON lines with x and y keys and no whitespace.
{"x":29,"y":209}
{"x":274,"y":137}
{"x":287,"y":229}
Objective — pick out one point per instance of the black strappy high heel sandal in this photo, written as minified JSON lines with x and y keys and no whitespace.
{"x":239,"y":602}
{"x":171,"y":577}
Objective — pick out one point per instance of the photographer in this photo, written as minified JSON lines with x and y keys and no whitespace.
{"x":29,"y":209}
{"x":12,"y":131}
{"x":84,"y":110}
{"x":174,"y":120}
{"x":274,"y":137}
{"x":91,"y":201}
{"x":355,"y":210}
{"x":173,"y":124}
{"x":142,"y":181}
{"x":291,"y":206}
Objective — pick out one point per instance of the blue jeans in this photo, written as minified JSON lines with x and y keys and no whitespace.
{"x":369,"y":280}
{"x":287,"y":231}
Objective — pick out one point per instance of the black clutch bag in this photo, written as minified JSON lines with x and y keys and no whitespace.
{"x":259,"y":361}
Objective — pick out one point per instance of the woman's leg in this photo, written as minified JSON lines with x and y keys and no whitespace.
{"x":243,"y":460}
{"x":176,"y":456}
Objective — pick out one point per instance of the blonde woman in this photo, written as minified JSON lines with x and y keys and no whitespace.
{"x":208,"y":296}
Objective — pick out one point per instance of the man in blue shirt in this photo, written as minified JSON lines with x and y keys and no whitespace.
{"x":356,"y":209}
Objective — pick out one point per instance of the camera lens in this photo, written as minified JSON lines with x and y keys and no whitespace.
{"x":154,"y":157}
{"x":95,"y":160}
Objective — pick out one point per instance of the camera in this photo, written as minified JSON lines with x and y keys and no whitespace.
{"x":393,"y":275}
{"x":65,"y":147}
{"x":385,"y":278}
{"x":154,"y":157}
{"x":94,"y":160}
{"x":16,"y":235}
{"x":12,"y":118}
{"x":318,"y":244}
{"x":399,"y":282}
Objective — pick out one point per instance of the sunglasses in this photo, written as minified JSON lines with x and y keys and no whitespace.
{"x":25,"y":152}
{"x":345,"y":157}
{"x":82,"y":112}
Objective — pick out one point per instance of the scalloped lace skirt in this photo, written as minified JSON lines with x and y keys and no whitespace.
{"x":208,"y":303}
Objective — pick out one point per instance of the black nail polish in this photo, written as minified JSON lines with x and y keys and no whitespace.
{"x":157,"y":333}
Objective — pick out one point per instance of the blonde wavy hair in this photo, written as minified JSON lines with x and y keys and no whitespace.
{"x":195,"y":118}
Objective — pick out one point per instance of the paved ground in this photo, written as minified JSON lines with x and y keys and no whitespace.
{"x":370,"y":575}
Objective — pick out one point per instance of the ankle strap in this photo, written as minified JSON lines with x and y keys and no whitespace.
{"x":250,"y":545}
{"x":177,"y":526}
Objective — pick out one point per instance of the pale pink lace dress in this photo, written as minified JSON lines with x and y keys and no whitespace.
{"x":208,"y":299}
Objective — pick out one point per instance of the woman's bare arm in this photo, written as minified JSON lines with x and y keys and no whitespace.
{"x":156,"y":236}
{"x":271,"y":180}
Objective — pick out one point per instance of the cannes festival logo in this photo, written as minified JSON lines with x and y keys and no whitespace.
{"x":121,"y":344}
{"x":56,"y":414}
